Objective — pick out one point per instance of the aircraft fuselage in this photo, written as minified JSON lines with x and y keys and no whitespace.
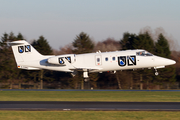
{"x":28,"y":58}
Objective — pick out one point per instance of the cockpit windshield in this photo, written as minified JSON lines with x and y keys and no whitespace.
{"x":144,"y":53}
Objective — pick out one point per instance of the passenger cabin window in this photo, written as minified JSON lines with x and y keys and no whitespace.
{"x":113,"y":58}
{"x":144,"y":53}
{"x":106,"y":58}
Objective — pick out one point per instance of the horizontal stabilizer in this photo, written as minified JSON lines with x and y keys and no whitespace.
{"x":28,"y":68}
{"x":20,"y":42}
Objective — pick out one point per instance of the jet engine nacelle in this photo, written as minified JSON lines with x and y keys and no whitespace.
{"x":58,"y":60}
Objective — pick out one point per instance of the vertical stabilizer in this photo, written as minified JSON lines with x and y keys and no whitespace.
{"x":24,"y":52}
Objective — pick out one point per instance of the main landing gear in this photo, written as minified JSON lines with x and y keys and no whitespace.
{"x":86,"y":77}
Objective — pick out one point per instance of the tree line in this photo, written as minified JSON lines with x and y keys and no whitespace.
{"x":129,"y":79}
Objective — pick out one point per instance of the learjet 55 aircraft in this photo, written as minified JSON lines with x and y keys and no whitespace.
{"x":28,"y":58}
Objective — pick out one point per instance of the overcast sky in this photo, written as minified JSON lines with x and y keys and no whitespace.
{"x":59,"y":21}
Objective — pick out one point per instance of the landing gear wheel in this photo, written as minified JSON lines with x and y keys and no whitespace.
{"x":156,"y":73}
{"x":86,"y":79}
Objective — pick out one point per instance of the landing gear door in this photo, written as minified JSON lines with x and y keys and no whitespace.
{"x":98,"y":60}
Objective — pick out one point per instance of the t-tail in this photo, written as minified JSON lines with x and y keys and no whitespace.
{"x":24,"y":54}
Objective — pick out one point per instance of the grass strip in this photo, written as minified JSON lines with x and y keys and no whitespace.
{"x":89,"y":115}
{"x":118,"y":96}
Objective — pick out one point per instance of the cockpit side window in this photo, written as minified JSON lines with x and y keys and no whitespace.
{"x":143,"y":53}
{"x":149,"y":54}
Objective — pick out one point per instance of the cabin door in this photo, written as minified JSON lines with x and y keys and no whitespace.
{"x":98,"y":60}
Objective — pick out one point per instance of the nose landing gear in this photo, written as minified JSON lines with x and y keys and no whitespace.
{"x":156,"y":72}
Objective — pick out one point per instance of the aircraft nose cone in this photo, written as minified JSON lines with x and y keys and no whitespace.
{"x":164,"y":61}
{"x":168,"y":61}
{"x":172,"y":62}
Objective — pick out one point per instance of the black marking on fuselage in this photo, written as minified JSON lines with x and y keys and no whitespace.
{"x":122,"y":60}
{"x":131,"y":60}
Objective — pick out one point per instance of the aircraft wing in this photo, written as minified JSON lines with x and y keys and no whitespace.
{"x":86,"y":69}
{"x":71,"y":67}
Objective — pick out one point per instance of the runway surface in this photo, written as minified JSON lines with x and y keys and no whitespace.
{"x":53,"y":105}
{"x":86,"y":90}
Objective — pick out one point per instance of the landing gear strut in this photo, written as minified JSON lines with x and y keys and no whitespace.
{"x":156,"y":72}
{"x":86,"y":77}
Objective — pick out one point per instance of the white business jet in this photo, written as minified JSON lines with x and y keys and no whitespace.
{"x":28,"y":58}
